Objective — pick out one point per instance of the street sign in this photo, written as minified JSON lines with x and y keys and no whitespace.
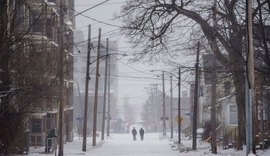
{"x":177,"y":119}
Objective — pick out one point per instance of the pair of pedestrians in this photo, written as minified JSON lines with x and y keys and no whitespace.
{"x":134,"y":133}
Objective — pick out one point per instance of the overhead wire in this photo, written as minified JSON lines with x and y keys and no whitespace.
{"x":135,"y":68}
{"x":125,"y":76}
{"x":109,"y":24}
{"x":103,"y":34}
{"x":102,"y":22}
{"x":80,"y":13}
{"x":110,"y":3}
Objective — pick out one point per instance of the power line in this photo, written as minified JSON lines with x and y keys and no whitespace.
{"x":134,"y":68}
{"x":80,"y":13}
{"x":104,"y":34}
{"x":97,"y":20}
{"x":96,"y":4}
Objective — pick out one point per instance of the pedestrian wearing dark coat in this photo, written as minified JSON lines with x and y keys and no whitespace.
{"x":141,"y":133}
{"x":52,"y":134}
{"x":134,"y":133}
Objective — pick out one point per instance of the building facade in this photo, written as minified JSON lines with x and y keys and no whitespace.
{"x":44,"y":16}
{"x":34,"y":27}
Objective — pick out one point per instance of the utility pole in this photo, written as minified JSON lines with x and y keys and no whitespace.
{"x":105,"y":91}
{"x":213,"y":110}
{"x":171,"y":108}
{"x":213,"y":87}
{"x":179,"y":105}
{"x":80,"y":119}
{"x":250,"y":80}
{"x":163,"y":104}
{"x":109,"y":97}
{"x":87,"y":78}
{"x":61,"y":79}
{"x":195,"y":107}
{"x":156,"y":106}
{"x":96,"y":92}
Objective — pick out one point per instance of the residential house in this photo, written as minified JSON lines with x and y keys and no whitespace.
{"x":39,"y":65}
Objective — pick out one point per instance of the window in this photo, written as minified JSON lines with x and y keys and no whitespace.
{"x":233,"y":115}
{"x":36,"y":22}
{"x":34,"y":50}
{"x":49,"y":28}
{"x":20,"y":17}
{"x":36,"y":126}
{"x":36,"y":140}
{"x":50,"y":122}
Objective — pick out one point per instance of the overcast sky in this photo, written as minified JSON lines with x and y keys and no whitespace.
{"x":134,"y":77}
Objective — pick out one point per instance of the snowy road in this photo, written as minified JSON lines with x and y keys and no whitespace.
{"x":123,"y":145}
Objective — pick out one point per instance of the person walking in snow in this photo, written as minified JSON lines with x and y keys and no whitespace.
{"x":141,"y":133}
{"x":134,"y":133}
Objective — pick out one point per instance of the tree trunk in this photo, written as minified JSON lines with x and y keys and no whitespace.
{"x":239,"y":82}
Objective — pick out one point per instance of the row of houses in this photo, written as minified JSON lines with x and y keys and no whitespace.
{"x":36,"y":50}
{"x":34,"y":28}
{"x":226,"y":107}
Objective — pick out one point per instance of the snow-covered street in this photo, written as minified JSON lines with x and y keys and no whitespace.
{"x":152,"y":145}
{"x":122,"y":144}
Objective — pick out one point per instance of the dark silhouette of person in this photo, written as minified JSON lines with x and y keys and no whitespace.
{"x":52,"y":134}
{"x":141,"y":133}
{"x":134,"y":133}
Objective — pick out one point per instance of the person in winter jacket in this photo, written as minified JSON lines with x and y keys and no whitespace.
{"x":141,"y":133}
{"x":134,"y":133}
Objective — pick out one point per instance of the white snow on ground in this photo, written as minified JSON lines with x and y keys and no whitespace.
{"x":152,"y":145}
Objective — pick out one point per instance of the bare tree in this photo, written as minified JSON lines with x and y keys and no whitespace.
{"x":27,"y":73}
{"x":155,"y":24}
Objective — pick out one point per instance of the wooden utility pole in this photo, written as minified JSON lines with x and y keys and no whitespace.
{"x":109,"y":97}
{"x":195,"y":107}
{"x":105,"y":90}
{"x":61,"y":79}
{"x":171,"y":108}
{"x":213,"y":111}
{"x":80,"y":119}
{"x":179,"y":105}
{"x":163,"y":105}
{"x":213,"y":87}
{"x":87,"y":78}
{"x":156,"y":106}
{"x":250,"y":80}
{"x":96,"y":92}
